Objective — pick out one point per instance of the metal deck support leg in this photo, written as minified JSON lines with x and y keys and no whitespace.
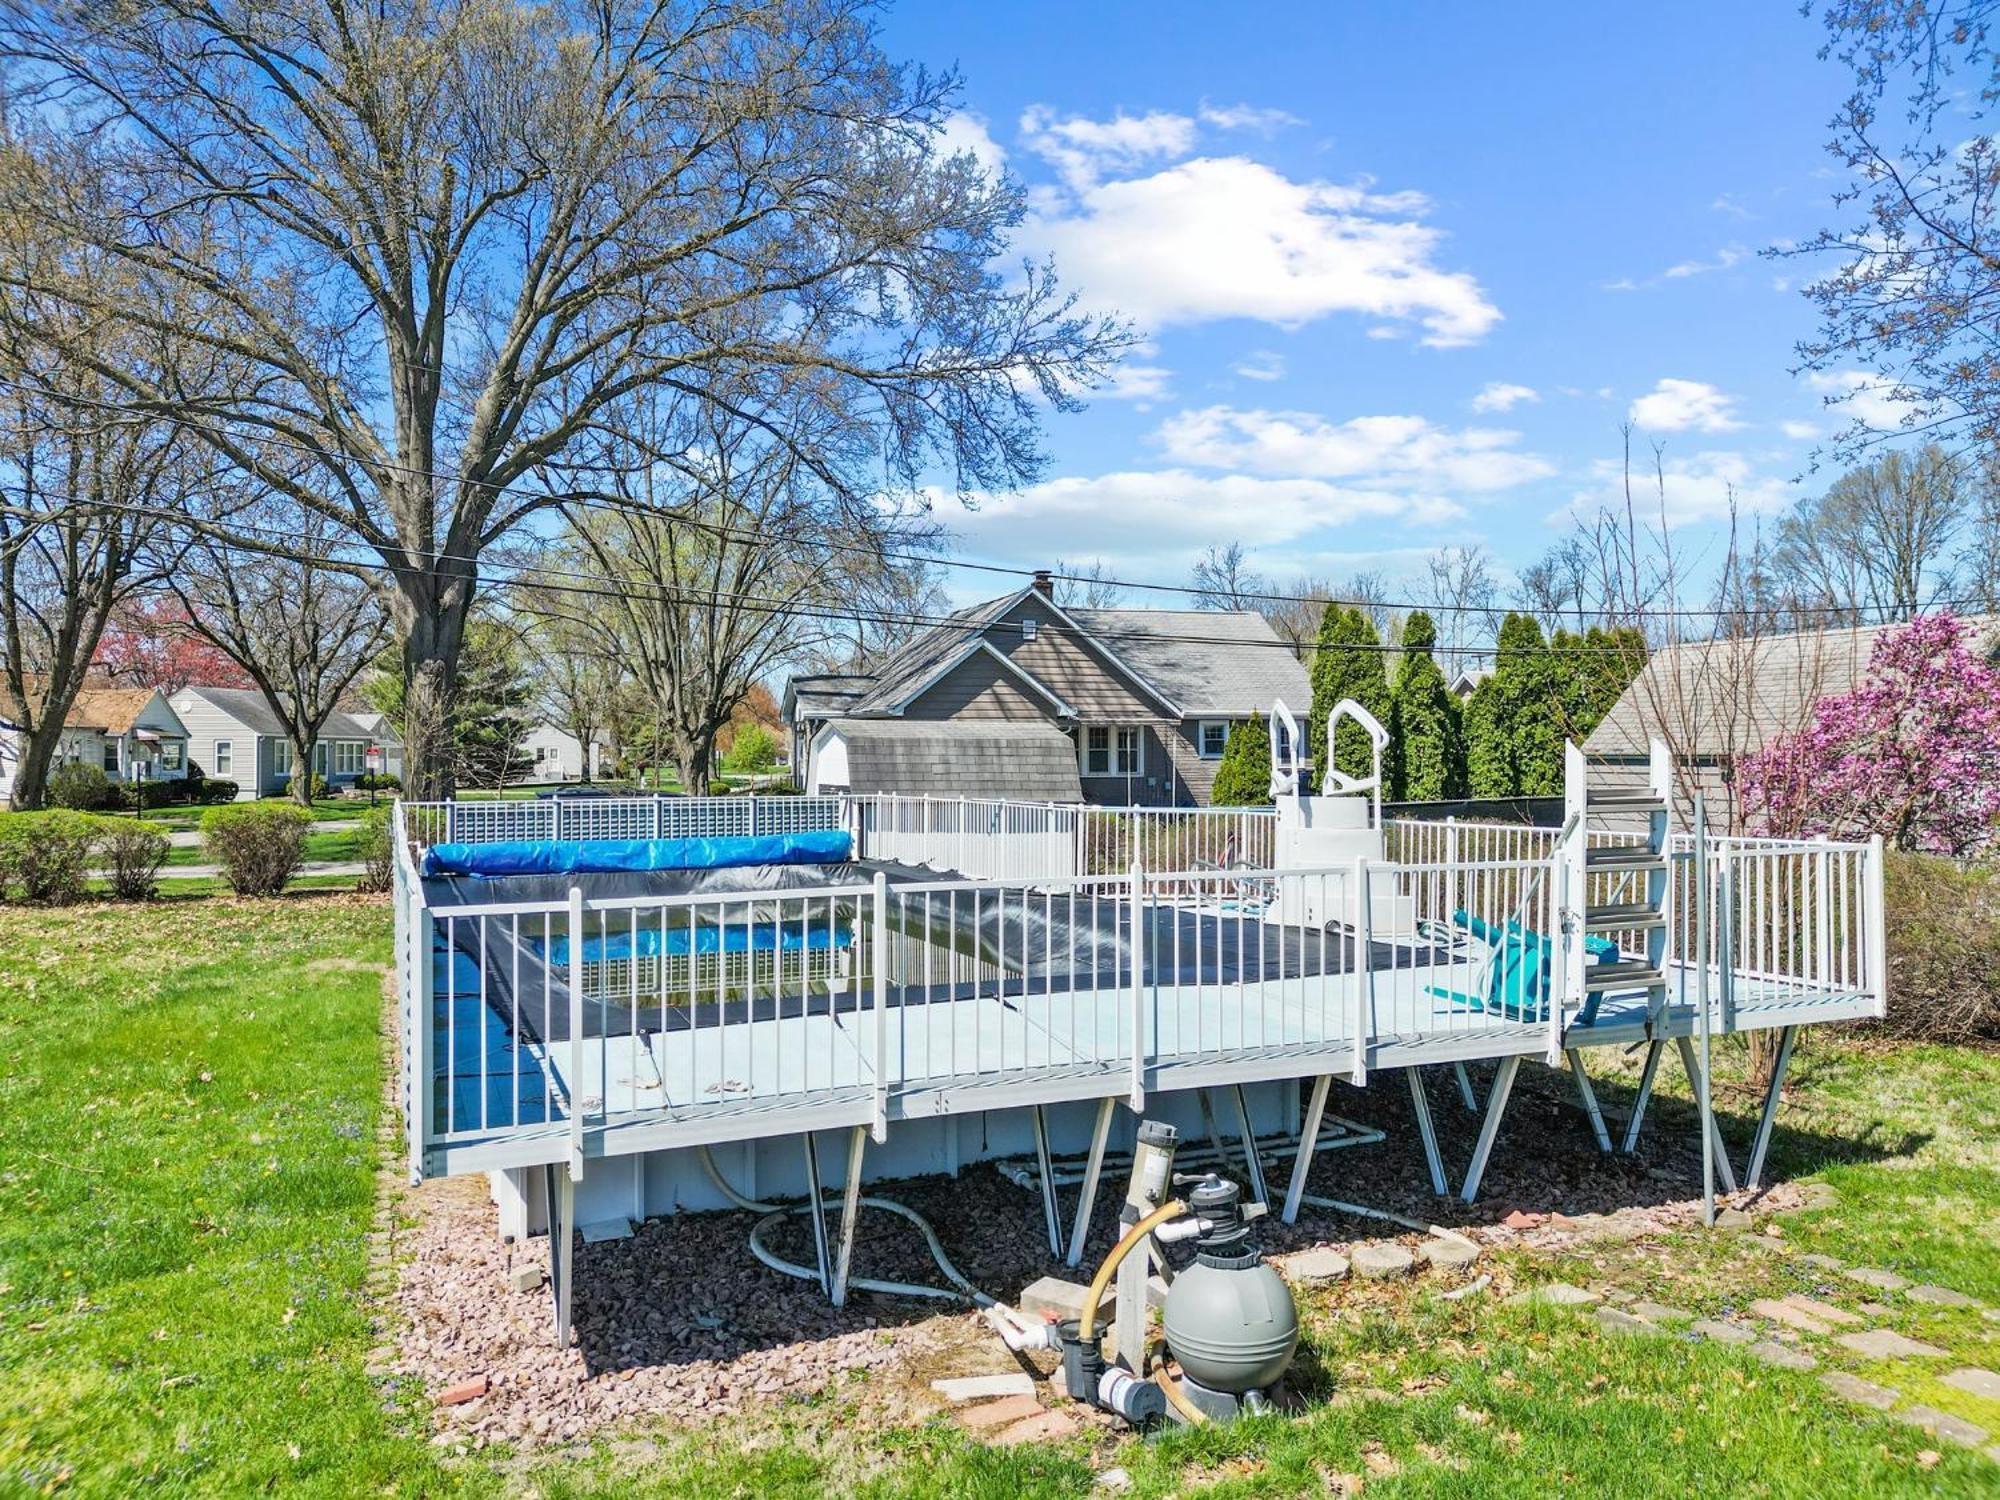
{"x":1421,"y":1107}
{"x":850,"y":1210}
{"x":1250,"y":1162}
{"x":1465,"y":1094}
{"x":1308,"y":1138}
{"x":1093,"y":1172}
{"x":1711,"y":1124}
{"x":1755,"y":1173}
{"x":1045,"y":1169}
{"x":816,"y":1211}
{"x":1588,"y":1095}
{"x":559,"y":1203}
{"x":1645,"y":1094}
{"x":1496,"y":1106}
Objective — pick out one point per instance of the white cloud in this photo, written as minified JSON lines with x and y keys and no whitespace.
{"x":1082,"y":149}
{"x":1726,"y":203}
{"x":1247,"y":117}
{"x":1408,"y":453}
{"x":1726,"y":257}
{"x":1866,"y":398}
{"x":1678,"y":405}
{"x":1501,"y":395}
{"x":1135,"y":382}
{"x":1261,"y":364}
{"x":1155,"y":524}
{"x":1698,"y":488}
{"x":1231,"y":238}
{"x":1799,"y":431}
{"x":967,"y":132}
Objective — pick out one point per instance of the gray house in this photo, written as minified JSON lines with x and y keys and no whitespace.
{"x":1112,"y":706}
{"x":234,"y":736}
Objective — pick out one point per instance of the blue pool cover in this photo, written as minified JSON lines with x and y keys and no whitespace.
{"x":613,"y":856}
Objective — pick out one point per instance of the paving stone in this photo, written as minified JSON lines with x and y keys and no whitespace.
{"x":599,"y":1230}
{"x":1041,"y":1428}
{"x":464,"y":1391}
{"x":1790,"y":1316}
{"x":1723,"y":1333}
{"x":1114,"y":1480}
{"x":1814,"y":1196}
{"x":1784,"y":1356}
{"x":1314,"y":1265}
{"x":1944,"y":1424}
{"x":1940,"y":1296}
{"x":1052,"y":1296}
{"x":985,"y":1387}
{"x":1448,"y":1255}
{"x":1887,"y":1281}
{"x":1861,"y":1392}
{"x":1886,"y":1343}
{"x":1824,"y":1262}
{"x":1611,"y":1320}
{"x":1659,"y":1312}
{"x":1826,"y":1312}
{"x":525,"y":1278}
{"x":1877,"y":1309}
{"x":1382,"y":1260}
{"x":998,"y":1413}
{"x":1732,"y":1218}
{"x":1554,"y":1294}
{"x":1976,"y":1382}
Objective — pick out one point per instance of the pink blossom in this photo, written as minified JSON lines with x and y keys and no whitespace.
{"x":1912,"y":753}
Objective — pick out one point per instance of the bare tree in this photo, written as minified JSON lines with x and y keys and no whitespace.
{"x":301,"y":625}
{"x":1369,"y":592}
{"x":1556,"y":587}
{"x":1459,"y":587}
{"x":444,"y":238}
{"x":1296,"y":616}
{"x":1086,"y":585}
{"x":578,"y":671}
{"x":1224,"y":580}
{"x":1887,"y":540}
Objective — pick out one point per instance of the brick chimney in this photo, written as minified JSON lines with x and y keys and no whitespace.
{"x":1044,"y":584}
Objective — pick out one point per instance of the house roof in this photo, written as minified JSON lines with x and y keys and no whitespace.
{"x":815,"y":695}
{"x":1730,"y":697}
{"x":248,"y":708}
{"x":104,"y":710}
{"x":924,"y":654}
{"x":1030,"y":760}
{"x":1228,"y":663}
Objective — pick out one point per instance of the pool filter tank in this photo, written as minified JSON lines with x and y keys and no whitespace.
{"x":1229,"y":1317}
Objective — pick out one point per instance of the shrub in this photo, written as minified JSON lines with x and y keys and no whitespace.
{"x":1244,"y":777}
{"x":1943,"y":930}
{"x":753,"y":751}
{"x":133,"y":854}
{"x":717,"y":787}
{"x":377,"y":847}
{"x":214,"y":790}
{"x":257,"y":844}
{"x":80,"y":787}
{"x":142,"y":795}
{"x":378,"y":781}
{"x":315,"y":788}
{"x":48,"y":854}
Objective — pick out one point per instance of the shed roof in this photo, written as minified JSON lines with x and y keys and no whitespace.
{"x":814,"y":695}
{"x":1223,"y":662}
{"x":1027,"y":759}
{"x":1729,"y":697}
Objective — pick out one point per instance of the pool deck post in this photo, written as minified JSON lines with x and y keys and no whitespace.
{"x":1496,"y":1107}
{"x":1755,"y":1172}
{"x":1308,"y":1139}
{"x":1588,"y":1097}
{"x":1420,"y":1106}
{"x":1093,"y":1173}
{"x":850,"y":1210}
{"x":1646,"y":1075}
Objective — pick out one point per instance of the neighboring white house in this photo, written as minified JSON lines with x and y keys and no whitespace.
{"x":132,"y":734}
{"x":552,"y":754}
{"x":233,"y":736}
{"x":387,"y":743}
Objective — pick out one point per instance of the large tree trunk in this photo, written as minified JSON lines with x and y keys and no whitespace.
{"x":38,"y":755}
{"x":432,"y":624}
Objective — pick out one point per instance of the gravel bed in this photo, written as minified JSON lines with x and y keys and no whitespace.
{"x":679,"y":1323}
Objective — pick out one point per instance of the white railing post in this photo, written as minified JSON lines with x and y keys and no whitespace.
{"x":1822,"y":914}
{"x":658,"y":802}
{"x":421,"y":1018}
{"x":1878,"y":926}
{"x":576,"y":1083}
{"x":881,"y":960}
{"x":1136,"y":895}
{"x":1364,"y":957}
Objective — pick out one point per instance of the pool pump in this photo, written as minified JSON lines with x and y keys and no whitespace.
{"x":1229,"y":1320}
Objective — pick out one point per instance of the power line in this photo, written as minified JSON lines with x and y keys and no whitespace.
{"x":755,"y":537}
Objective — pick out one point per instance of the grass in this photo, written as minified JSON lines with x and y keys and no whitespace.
{"x":334,"y":846}
{"x":326,"y":810}
{"x":188,"y":1144}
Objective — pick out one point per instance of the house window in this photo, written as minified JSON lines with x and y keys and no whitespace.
{"x":225,"y":757}
{"x":281,"y":757}
{"x":171,"y":752}
{"x":319,"y":757}
{"x":1028,"y":629}
{"x":1114,"y":750}
{"x":1213,"y":738}
{"x":347,"y":757}
{"x":111,"y":757}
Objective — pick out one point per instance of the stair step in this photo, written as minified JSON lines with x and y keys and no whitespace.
{"x":1624,"y":802}
{"x":1626,"y":974}
{"x":1623,"y":857}
{"x":1622,"y":916}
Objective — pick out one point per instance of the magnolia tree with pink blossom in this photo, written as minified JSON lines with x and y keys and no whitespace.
{"x":1912,"y":753}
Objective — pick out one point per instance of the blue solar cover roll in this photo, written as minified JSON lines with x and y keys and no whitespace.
{"x":605,"y":856}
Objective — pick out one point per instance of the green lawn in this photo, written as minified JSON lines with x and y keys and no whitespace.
{"x":189,"y":1140}
{"x":335,"y":846}
{"x":326,"y":810}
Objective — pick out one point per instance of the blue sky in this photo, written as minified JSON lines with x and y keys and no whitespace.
{"x":1404,"y":270}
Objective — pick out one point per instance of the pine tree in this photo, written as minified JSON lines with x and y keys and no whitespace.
{"x":1346,"y":664}
{"x":1489,"y":755}
{"x":1244,"y":777}
{"x":1525,"y":758}
{"x":1426,"y":746}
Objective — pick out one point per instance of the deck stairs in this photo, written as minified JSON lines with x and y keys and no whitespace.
{"x":1617,"y":878}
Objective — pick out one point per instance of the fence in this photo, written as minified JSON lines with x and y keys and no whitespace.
{"x":508,"y":819}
